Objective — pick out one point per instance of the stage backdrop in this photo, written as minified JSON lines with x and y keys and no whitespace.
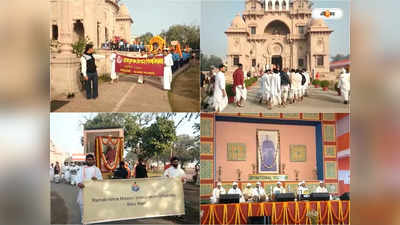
{"x":283,"y":138}
{"x":113,"y":200}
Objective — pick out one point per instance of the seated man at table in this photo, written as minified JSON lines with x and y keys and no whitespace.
{"x":259,"y":193}
{"x":321,"y":188}
{"x":279,"y":189}
{"x":216,"y":192}
{"x":303,"y":190}
{"x":236,"y":190}
{"x":248,"y":193}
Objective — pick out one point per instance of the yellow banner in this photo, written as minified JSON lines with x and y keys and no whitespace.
{"x":112,"y":200}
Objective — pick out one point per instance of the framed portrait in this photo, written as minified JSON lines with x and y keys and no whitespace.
{"x":268,"y":151}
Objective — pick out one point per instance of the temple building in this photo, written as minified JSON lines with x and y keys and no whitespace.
{"x":100,"y":20}
{"x":279,"y":32}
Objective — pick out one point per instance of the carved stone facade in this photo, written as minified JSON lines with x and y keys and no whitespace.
{"x":280,"y":32}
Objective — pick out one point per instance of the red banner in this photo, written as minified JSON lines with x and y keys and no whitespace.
{"x":142,"y":66}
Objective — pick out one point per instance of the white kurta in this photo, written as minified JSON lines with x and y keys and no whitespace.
{"x":113,"y":74}
{"x":321,"y":190}
{"x":86,"y":174}
{"x":258,"y":191}
{"x":174,"y":172}
{"x":51,"y":174}
{"x":237,"y":191}
{"x":278,"y":190}
{"x":67,"y":175}
{"x":276,"y":88}
{"x":167,"y":78}
{"x":216,"y":192}
{"x":261,"y":91}
{"x":220,"y":102}
{"x":344,"y":85}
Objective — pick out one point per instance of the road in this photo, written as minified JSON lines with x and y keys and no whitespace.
{"x":128,"y":95}
{"x":64,"y":209}
{"x":316,"y":101}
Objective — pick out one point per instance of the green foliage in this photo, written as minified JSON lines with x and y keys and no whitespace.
{"x":250,"y":81}
{"x":145,"y":38}
{"x":187,"y":149}
{"x":316,"y":82}
{"x":229,"y":90}
{"x":158,"y":137}
{"x":207,"y":61}
{"x":324,"y":83}
{"x":79,"y":47}
{"x":184,"y":34}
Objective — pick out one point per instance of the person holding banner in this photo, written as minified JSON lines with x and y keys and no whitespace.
{"x":89,"y":71}
{"x":174,"y":170}
{"x":168,"y":63}
{"x":142,"y":55}
{"x":88,"y":172}
{"x":113,"y":74}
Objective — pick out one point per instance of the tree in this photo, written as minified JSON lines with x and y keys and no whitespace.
{"x":187,"y":149}
{"x":145,"y":38}
{"x":339,"y":57}
{"x":184,"y":34}
{"x":158,"y":138}
{"x":208,"y":61}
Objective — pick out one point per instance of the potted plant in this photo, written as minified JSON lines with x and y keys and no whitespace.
{"x":313,"y":217}
{"x":230,"y":93}
{"x":324,"y":84}
{"x":316,"y":83}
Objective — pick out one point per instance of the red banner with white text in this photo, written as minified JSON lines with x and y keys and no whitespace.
{"x":151,"y":66}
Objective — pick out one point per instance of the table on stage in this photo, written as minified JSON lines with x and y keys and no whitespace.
{"x":330,"y":212}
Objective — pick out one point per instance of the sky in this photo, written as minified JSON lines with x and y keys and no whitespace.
{"x":66,"y":131}
{"x":214,"y":41}
{"x":157,"y":15}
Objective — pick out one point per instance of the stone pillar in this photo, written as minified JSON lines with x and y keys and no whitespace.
{"x":65,"y":26}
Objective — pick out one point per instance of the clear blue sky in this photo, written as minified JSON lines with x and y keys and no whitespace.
{"x":217,"y":15}
{"x":66,"y":132}
{"x":157,"y":15}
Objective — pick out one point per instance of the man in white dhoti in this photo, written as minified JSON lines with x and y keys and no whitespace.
{"x":268,"y":88}
{"x":276,"y":88}
{"x":297,"y":79}
{"x":87,"y":173}
{"x":344,"y":85}
{"x":321,"y":188}
{"x":285,"y":83}
{"x":248,"y":193}
{"x":292,"y":90}
{"x":261,"y":92}
{"x":303,"y":189}
{"x":168,"y":63}
{"x":220,"y":97}
{"x":73,"y":171}
{"x":239,"y":86}
{"x":113,"y":74}
{"x":140,"y":77}
{"x":236,"y":190}
{"x":259,"y":193}
{"x":307,"y":84}
{"x":219,"y":190}
{"x":66,"y":173}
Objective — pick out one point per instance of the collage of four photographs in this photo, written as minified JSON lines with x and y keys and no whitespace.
{"x":200,"y":112}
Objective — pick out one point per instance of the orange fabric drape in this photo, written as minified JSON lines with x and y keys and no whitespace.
{"x":330,"y":212}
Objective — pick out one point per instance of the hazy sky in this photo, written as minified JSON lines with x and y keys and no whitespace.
{"x":217,"y":15}
{"x":157,"y":15}
{"x":66,"y":132}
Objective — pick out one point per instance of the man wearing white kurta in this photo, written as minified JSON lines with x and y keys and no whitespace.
{"x":276,"y":88}
{"x":142,"y":55}
{"x":259,"y":193}
{"x":344,"y":85}
{"x":307,"y":84}
{"x":168,"y":63}
{"x":321,"y":188}
{"x":261,"y":92}
{"x":73,"y":171}
{"x":278,"y":189}
{"x":298,"y":92}
{"x":236,"y":190}
{"x":113,"y":74}
{"x":220,"y":97}
{"x":219,"y":190}
{"x":268,"y":88}
{"x":174,"y":170}
{"x":67,"y":174}
{"x":285,"y":83}
{"x":302,"y":190}
{"x":87,"y":173}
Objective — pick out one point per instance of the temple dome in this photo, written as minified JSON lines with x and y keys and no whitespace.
{"x":238,"y":22}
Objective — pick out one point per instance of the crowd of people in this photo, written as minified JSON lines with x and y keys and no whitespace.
{"x":259,"y":194}
{"x":277,"y":87}
{"x":123,"y":45}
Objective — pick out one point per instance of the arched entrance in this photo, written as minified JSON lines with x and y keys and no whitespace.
{"x":276,"y":60}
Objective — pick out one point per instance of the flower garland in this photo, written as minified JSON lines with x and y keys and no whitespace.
{"x":106,"y":164}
